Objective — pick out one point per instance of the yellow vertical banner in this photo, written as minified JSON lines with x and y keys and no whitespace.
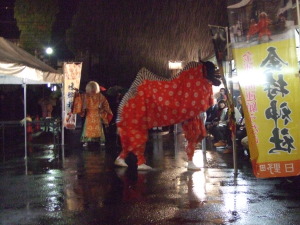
{"x":265,"y":56}
{"x":268,"y":76}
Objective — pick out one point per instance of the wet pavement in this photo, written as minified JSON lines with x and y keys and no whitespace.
{"x":74,"y":185}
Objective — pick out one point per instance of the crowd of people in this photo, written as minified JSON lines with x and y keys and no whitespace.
{"x":217,"y":124}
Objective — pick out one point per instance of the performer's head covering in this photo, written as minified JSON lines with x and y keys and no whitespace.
{"x":211,"y":73}
{"x":92,"y":87}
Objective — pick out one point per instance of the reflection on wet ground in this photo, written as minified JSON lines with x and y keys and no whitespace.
{"x":84,"y":187}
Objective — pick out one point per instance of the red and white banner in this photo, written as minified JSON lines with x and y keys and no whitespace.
{"x":72,"y":76}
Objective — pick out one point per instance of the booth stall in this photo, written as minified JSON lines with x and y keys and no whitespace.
{"x":18,"y":67}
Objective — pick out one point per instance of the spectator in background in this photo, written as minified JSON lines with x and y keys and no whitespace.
{"x":245,"y":143}
{"x":218,"y":126}
{"x":239,"y":105}
{"x":237,"y":31}
{"x":29,"y":129}
{"x":281,"y":23}
{"x":211,"y":115}
{"x":47,"y":104}
{"x":252,"y":30}
{"x":222,"y":95}
{"x":240,"y":124}
{"x":220,"y":129}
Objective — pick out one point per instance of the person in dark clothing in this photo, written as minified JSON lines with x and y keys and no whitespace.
{"x":222,"y":95}
{"x":112,"y":138}
{"x":211,"y":114}
{"x":240,"y":125}
{"x":217,"y":126}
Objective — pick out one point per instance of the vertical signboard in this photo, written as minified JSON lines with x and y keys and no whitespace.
{"x":72,"y":76}
{"x":264,"y":51}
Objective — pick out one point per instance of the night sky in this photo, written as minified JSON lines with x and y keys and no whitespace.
{"x":134,"y":34}
{"x":9,"y":29}
{"x":63,"y":22}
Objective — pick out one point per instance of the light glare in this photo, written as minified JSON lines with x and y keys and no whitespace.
{"x":49,"y":50}
{"x":175,"y":65}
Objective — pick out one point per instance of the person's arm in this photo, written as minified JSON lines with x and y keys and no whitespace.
{"x":223,"y":118}
{"x":237,"y":114}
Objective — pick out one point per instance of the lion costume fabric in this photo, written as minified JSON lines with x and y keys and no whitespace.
{"x":154,"y":101}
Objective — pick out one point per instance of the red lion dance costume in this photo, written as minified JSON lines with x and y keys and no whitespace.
{"x":154,"y":101}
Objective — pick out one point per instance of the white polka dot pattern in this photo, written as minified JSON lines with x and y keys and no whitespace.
{"x":156,"y":101}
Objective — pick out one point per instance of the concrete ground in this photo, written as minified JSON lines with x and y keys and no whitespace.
{"x":77,"y":185}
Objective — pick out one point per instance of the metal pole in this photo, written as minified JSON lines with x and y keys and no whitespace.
{"x":298,"y":13}
{"x":63,"y":118}
{"x":25,"y":119}
{"x":3,"y":151}
{"x":231,"y":90}
{"x":230,"y":97}
{"x":26,"y":166}
{"x":203,"y":143}
{"x":227,"y":46}
{"x":62,"y":114}
{"x":233,"y":133}
{"x":203,"y":114}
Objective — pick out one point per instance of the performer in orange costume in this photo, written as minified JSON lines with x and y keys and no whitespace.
{"x":252,"y":29}
{"x":95,"y":107}
{"x":154,"y":101}
{"x":263,"y":26}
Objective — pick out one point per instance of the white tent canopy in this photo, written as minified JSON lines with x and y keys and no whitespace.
{"x":19,"y":67}
{"x":240,"y":4}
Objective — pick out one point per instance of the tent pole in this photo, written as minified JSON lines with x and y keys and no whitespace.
{"x":231,"y":90}
{"x":25,"y":119}
{"x":298,"y":14}
{"x":63,"y":118}
{"x":203,"y":114}
{"x":233,"y":138}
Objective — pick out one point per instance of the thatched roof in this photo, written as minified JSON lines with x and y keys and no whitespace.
{"x":149,"y":33}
